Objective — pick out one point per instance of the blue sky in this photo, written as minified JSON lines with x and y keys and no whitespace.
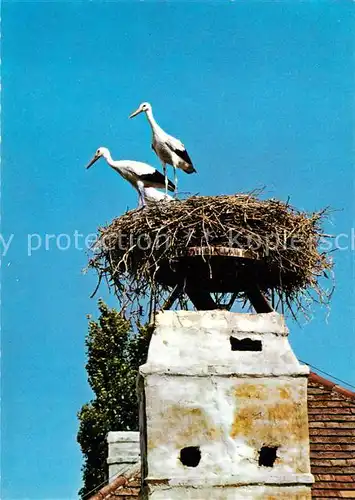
{"x":261,"y":94}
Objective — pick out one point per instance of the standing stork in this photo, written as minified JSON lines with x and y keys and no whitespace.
{"x":169,"y":150}
{"x":140,"y":175}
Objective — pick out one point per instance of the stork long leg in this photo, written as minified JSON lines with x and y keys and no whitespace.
{"x":140,"y":187}
{"x":166,"y":177}
{"x":175,"y":182}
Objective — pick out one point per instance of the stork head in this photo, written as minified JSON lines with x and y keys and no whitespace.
{"x":144,"y":107}
{"x":99,"y":153}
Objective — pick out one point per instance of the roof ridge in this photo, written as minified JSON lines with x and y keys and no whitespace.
{"x":314,"y":377}
{"x":119,"y":481}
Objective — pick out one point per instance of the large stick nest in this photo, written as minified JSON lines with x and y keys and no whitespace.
{"x":134,"y":248}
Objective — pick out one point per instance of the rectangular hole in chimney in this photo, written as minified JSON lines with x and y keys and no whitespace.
{"x":245,"y":344}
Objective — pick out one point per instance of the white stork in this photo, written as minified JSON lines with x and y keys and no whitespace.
{"x":169,"y":150}
{"x":140,"y":175}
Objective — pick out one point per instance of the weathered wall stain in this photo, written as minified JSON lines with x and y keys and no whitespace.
{"x":276,"y":420}
{"x":187,"y":427}
{"x":246,"y":419}
{"x":252,"y":391}
{"x":286,"y":495}
{"x":285,"y":392}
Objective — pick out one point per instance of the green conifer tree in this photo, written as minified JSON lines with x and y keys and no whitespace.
{"x":114,"y":354}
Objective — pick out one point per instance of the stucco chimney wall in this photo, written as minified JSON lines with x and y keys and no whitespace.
{"x":225,"y":409}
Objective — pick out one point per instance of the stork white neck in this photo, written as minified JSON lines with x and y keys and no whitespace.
{"x":151,"y":120}
{"x":108,"y":158}
{"x":117,"y":165}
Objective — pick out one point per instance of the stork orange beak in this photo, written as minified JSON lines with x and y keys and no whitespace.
{"x":139,"y":110}
{"x":96,"y":157}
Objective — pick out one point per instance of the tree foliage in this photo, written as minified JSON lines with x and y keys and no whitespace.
{"x":114,"y":354}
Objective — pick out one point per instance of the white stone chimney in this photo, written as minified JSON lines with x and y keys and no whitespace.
{"x":123,"y":452}
{"x":226,"y":409}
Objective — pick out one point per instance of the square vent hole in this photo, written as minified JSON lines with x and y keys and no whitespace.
{"x":267,"y":456}
{"x":190,"y":456}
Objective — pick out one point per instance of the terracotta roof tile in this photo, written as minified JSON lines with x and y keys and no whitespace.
{"x":331,"y":415}
{"x":322,"y":494}
{"x":125,"y":487}
{"x":333,"y":485}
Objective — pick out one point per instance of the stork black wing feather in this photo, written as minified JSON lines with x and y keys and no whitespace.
{"x":157,"y":178}
{"x":183,"y":154}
